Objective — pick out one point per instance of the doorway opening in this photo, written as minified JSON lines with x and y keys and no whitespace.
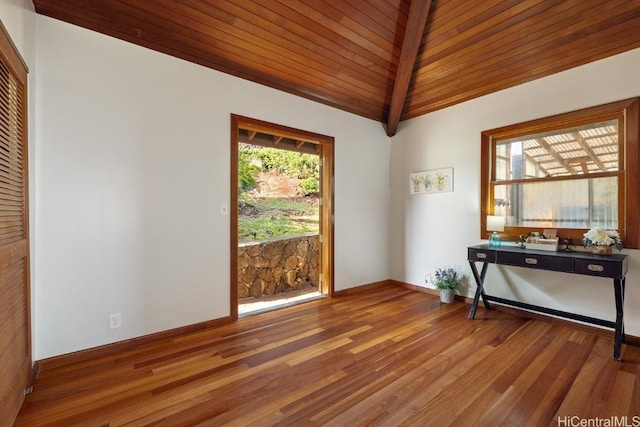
{"x":281,"y":216}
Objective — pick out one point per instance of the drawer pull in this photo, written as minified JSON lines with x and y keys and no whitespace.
{"x":481,"y":255}
{"x":595,"y":267}
{"x":531,"y":261}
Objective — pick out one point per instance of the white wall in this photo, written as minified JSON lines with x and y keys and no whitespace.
{"x":428,"y":231}
{"x":129,"y":162}
{"x":133,"y":162}
{"x":18,"y":18}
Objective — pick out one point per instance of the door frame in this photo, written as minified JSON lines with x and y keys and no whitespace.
{"x":325,"y":148}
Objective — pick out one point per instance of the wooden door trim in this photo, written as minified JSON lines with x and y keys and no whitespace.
{"x":326,"y":144}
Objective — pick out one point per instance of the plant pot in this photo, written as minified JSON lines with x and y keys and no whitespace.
{"x":446,"y":296}
{"x":602,"y":250}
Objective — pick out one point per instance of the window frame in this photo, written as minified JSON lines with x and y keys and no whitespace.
{"x":628,"y":114}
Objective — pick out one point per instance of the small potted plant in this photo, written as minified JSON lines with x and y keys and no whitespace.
{"x":447,"y":282}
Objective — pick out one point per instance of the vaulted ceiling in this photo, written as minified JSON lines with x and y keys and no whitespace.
{"x":388,"y":60}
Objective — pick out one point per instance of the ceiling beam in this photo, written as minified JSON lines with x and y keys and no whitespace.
{"x":416,"y":22}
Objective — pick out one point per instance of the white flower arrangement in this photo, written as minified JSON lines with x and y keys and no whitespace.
{"x":602,"y":237}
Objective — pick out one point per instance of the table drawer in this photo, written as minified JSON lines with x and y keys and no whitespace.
{"x":542,"y":262}
{"x":602,"y":268}
{"x":482,"y":255}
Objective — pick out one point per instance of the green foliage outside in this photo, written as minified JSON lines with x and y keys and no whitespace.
{"x":309,"y":186}
{"x":247,"y":176}
{"x":267,"y":218}
{"x":305,"y":167}
{"x":293,"y":164}
{"x":247,"y":173}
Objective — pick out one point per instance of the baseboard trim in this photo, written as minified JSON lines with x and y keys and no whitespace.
{"x":630,"y":339}
{"x":361,"y":288}
{"x":113,"y":348}
{"x":116,"y":347}
{"x":426,"y":290}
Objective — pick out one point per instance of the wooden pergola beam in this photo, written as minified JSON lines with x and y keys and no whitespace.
{"x":557,"y":157}
{"x":532,"y":159}
{"x":587,"y":148}
{"x":416,"y":22}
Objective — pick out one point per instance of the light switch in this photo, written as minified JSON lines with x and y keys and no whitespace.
{"x":224,"y":209}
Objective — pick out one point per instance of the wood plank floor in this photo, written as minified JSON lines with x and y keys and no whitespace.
{"x":385,"y":357}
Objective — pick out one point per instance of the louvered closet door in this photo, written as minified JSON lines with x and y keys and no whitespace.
{"x":15,"y":340}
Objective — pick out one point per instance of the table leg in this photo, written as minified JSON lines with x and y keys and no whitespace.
{"x":623,"y":282}
{"x":479,"y":278}
{"x":483,"y":274}
{"x":619,"y":285}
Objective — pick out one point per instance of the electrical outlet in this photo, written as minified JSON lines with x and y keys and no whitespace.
{"x":427,"y":278}
{"x":115,"y":320}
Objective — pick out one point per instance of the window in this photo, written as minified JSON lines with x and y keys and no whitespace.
{"x":570,"y":172}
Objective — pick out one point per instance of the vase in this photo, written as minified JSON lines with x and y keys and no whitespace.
{"x":446,"y":295}
{"x":602,"y":249}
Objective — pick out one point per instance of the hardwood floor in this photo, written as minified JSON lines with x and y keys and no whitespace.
{"x":389,"y":356}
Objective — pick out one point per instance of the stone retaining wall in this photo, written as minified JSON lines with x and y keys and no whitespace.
{"x":276,"y":266}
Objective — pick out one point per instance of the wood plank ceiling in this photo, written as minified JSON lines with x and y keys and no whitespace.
{"x":362,"y":55}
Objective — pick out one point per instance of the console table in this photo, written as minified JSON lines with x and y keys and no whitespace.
{"x":608,"y":266}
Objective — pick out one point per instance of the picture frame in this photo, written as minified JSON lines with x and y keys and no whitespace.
{"x":431,"y":181}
